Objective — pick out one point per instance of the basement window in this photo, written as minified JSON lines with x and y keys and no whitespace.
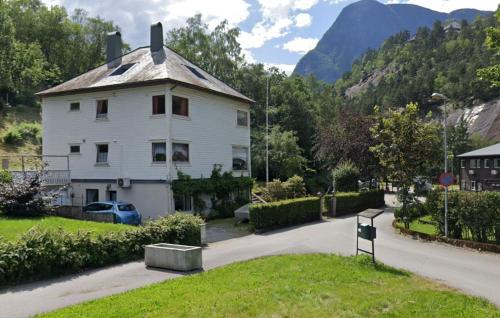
{"x":122,"y":69}
{"x":195,"y":72}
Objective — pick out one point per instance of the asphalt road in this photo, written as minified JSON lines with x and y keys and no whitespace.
{"x":472,"y":272}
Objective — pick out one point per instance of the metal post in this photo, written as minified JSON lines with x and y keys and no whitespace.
{"x":267,"y":130}
{"x":357,"y":234}
{"x":373,"y":243}
{"x":445,"y":171}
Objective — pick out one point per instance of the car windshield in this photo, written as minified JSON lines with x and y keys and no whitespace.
{"x":94,"y":207}
{"x":126,"y":207}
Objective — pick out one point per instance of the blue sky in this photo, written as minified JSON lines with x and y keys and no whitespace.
{"x":274,"y":32}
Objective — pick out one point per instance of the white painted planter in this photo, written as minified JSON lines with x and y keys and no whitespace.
{"x":173,"y":256}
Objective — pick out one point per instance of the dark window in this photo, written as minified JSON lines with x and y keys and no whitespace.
{"x":159,"y":105}
{"x":180,"y":106}
{"x":182,"y":202}
{"x":122,"y":69}
{"x":74,"y":106}
{"x":91,"y":195}
{"x":102,"y":153}
{"x":102,"y":108}
{"x":74,"y":149}
{"x":240,"y":158}
{"x":180,"y":152}
{"x":112,"y":195}
{"x":496,"y":163}
{"x":126,"y":207}
{"x":159,"y":151}
{"x":195,"y":72}
{"x":242,"y":118}
{"x":486,"y":163}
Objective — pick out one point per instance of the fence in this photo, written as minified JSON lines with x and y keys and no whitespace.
{"x":55,"y":168}
{"x":75,"y":212}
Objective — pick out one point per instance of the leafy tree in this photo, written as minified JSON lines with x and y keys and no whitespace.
{"x":406,"y":145}
{"x":345,"y":177}
{"x":458,"y":142}
{"x":492,"y":73}
{"x":218,"y":51}
{"x":285,"y":156}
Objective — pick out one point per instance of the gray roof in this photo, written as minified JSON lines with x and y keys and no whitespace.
{"x":493,"y":150}
{"x":149,"y":69}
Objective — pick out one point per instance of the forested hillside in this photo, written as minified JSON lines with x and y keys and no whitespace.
{"x":409,"y":69}
{"x":366,"y":24}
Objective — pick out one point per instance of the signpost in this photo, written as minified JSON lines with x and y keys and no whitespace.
{"x":446,"y":179}
{"x":367,"y":231}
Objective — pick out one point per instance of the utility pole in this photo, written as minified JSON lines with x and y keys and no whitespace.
{"x":267,"y":130}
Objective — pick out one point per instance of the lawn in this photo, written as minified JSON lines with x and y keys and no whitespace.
{"x":422,"y":225}
{"x":317,"y":285}
{"x":13,"y":228}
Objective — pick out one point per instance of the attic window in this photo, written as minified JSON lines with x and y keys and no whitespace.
{"x":122,"y":69}
{"x":195,"y":72}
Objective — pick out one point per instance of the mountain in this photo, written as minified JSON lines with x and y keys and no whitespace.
{"x":366,"y":24}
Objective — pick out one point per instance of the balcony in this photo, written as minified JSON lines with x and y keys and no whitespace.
{"x":54,"y":169}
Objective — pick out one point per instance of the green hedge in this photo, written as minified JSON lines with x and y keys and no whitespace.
{"x":285,"y":213}
{"x":471,"y":215}
{"x":44,"y":253}
{"x":354,"y":202}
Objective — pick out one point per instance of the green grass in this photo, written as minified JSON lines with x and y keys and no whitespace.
{"x":12,"y":228}
{"x":11,"y":118}
{"x":422,"y":225}
{"x":316,"y":285}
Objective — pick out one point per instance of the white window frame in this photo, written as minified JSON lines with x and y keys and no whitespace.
{"x":102,"y":118}
{"x":101,"y":163}
{"x":462,"y":163}
{"x":75,"y":153}
{"x":152,"y":105}
{"x":71,"y":103}
{"x":247,"y":159}
{"x":184,"y":142}
{"x":247,"y":118}
{"x":475,"y":163}
{"x":473,"y":185}
{"x":159,"y":141}
{"x":487,"y":163}
{"x":172,"y":106}
{"x":186,"y":197}
{"x":496,"y":163}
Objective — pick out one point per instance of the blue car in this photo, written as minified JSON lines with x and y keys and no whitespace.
{"x":124,"y":212}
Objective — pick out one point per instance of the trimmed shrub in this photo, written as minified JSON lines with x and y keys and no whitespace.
{"x":471,"y":215}
{"x":285,"y":213}
{"x":354,"y":202}
{"x":45,"y":253}
{"x":346,"y":177}
{"x":292,"y":188}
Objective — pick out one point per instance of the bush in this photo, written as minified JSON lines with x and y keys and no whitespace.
{"x":285,"y":213}
{"x":25,"y":197}
{"x":44,"y":253}
{"x":292,"y":188}
{"x":16,"y":135}
{"x":354,"y":202}
{"x":346,"y":177}
{"x":5,"y":176}
{"x":471,"y":215}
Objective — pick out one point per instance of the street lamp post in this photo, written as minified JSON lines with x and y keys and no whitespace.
{"x":441,"y":97}
{"x":267,"y":130}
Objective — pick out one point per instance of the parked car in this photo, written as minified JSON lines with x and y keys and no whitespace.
{"x":124,"y":212}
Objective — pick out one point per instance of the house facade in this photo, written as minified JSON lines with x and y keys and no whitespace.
{"x":131,"y":125}
{"x":480,"y":169}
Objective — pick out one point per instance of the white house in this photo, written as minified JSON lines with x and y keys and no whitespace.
{"x":131,"y":124}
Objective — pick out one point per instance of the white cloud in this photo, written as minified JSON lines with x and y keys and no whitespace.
{"x":278,"y":17}
{"x":450,"y":5}
{"x":300,"y":45}
{"x":135,"y":16}
{"x":287,"y":68}
{"x":303,"y":20}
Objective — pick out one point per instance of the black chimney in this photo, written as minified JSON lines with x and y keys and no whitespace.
{"x":156,"y":37}
{"x":114,"y":49}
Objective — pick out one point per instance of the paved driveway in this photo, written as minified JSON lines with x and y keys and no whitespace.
{"x":473,"y":272}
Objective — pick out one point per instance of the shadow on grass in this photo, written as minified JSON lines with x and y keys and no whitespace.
{"x":366,"y":261}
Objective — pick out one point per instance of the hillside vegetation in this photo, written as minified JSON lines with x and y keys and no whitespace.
{"x":409,"y":69}
{"x":20,"y":131}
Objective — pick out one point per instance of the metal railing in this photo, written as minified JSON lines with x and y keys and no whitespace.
{"x":55,"y":168}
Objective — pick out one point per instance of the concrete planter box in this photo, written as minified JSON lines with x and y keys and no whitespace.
{"x":173,"y":256}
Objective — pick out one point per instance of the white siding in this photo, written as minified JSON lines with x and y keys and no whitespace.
{"x":211,"y":131}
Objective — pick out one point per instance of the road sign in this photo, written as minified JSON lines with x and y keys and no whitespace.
{"x":446,"y":179}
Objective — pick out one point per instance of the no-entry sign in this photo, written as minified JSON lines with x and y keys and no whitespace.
{"x":446,"y":179}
